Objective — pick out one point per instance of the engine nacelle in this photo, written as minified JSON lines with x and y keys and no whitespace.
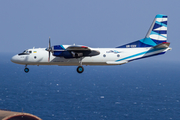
{"x":77,"y":55}
{"x":60,"y":51}
{"x":67,"y":54}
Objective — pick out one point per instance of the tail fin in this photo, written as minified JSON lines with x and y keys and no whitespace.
{"x":157,"y":34}
{"x":158,"y":30}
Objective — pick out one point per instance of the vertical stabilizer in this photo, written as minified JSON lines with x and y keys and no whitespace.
{"x":158,"y":29}
{"x":157,"y":34}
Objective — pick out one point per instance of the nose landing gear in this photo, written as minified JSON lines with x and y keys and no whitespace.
{"x":26,"y":70}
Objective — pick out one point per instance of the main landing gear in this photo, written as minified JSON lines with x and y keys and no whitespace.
{"x":26,"y":70}
{"x":80,"y":68}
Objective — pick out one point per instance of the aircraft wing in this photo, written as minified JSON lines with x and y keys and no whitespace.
{"x":162,"y":45}
{"x":78,"y":48}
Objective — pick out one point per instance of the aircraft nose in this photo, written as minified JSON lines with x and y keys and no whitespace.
{"x":14,"y":59}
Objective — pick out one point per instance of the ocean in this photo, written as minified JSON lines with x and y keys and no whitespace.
{"x":146,"y":89}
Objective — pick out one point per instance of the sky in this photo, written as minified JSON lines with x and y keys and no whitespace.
{"x":94,"y":23}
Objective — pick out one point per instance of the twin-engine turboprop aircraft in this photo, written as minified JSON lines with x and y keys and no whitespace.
{"x":154,"y":43}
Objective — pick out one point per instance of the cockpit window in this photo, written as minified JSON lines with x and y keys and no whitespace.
{"x":26,"y":52}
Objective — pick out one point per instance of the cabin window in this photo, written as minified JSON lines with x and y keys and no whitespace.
{"x":34,"y":57}
{"x":104,"y":55}
{"x":118,"y":55}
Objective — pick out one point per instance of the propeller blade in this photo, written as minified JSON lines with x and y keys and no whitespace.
{"x":49,"y":49}
{"x":49,"y":56}
{"x":49,"y":43}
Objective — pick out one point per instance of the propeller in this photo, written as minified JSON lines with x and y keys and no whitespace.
{"x":49,"y":49}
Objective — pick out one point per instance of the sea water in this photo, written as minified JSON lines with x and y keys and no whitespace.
{"x":139,"y":90}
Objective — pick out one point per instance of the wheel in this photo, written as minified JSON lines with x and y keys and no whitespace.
{"x":80,"y":69}
{"x":26,"y":70}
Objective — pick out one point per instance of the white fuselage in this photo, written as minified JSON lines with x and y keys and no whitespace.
{"x":107,"y":56}
{"x":154,"y":43}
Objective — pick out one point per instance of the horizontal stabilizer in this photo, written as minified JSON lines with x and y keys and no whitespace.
{"x":116,"y":63}
{"x":162,"y":45}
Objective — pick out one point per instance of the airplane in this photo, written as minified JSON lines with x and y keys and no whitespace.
{"x":154,"y":43}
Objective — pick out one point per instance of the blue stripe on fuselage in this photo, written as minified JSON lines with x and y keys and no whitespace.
{"x":153,"y":50}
